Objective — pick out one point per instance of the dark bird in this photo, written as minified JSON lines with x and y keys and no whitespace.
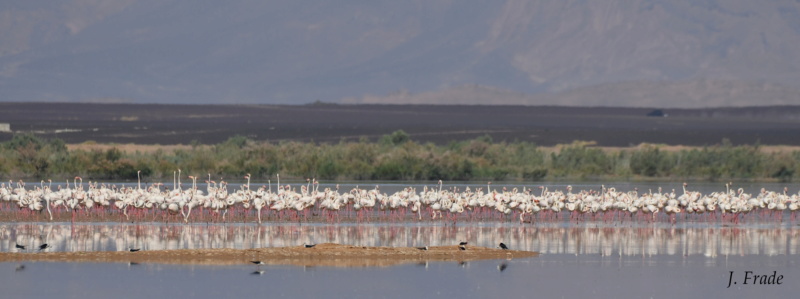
{"x":19,"y":268}
{"x":135,"y":249}
{"x":20,"y":246}
{"x":502,"y":267}
{"x":463,"y":243}
{"x":309,"y":245}
{"x":462,"y":247}
{"x":257,"y":262}
{"x":132,"y":264}
{"x":503,"y":246}
{"x":423,"y":248}
{"x":43,"y":246}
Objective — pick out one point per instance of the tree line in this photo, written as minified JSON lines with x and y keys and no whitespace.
{"x":397,"y":157}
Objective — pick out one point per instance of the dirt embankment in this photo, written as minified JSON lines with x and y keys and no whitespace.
{"x":328,"y":254}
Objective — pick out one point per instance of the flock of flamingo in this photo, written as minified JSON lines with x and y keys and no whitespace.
{"x":527,"y":205}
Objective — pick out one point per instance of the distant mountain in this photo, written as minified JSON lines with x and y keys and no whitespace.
{"x":677,"y":53}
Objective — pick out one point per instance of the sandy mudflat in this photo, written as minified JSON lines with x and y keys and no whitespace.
{"x":321,"y":255}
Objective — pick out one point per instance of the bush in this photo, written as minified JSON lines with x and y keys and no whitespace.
{"x":395,"y":157}
{"x":649,"y":161}
{"x":396,"y":138}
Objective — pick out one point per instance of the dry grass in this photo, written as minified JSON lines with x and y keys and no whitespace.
{"x":129,"y":147}
{"x":150,"y":148}
{"x":769,"y":149}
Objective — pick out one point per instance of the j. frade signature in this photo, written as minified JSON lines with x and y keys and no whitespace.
{"x":750,"y":278}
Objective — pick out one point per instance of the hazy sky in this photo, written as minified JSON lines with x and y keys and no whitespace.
{"x":633,"y":53}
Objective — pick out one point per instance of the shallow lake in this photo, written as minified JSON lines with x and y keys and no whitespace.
{"x":597,"y":259}
{"x":549,"y":276}
{"x":659,"y":260}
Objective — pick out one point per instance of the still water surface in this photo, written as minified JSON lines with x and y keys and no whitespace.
{"x":606,"y":239}
{"x":577,"y":261}
{"x":585,"y":260}
{"x":547,"y":276}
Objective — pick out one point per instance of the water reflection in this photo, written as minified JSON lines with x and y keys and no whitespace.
{"x":502,"y":267}
{"x":578,"y":240}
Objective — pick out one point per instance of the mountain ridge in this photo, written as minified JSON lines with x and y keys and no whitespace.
{"x":633,"y":53}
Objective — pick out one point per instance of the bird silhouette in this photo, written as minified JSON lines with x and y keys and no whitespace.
{"x":309,"y":245}
{"x":20,"y":246}
{"x":135,"y":249}
{"x":43,"y":246}
{"x":463,"y":243}
{"x":423,"y":248}
{"x":462,"y":247}
{"x":503,"y":246}
{"x":257,"y":262}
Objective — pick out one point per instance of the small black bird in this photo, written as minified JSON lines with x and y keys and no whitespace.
{"x":502,"y":267}
{"x":309,"y":245}
{"x":462,"y":243}
{"x":423,"y":248}
{"x":20,"y":246}
{"x":257,"y":262}
{"x":43,"y":246}
{"x":135,"y":249}
{"x":503,"y":246}
{"x":462,"y":247}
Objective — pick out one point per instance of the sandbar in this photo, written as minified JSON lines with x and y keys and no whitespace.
{"x":327,"y":254}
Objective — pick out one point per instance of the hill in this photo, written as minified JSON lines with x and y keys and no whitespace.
{"x":640,"y":53}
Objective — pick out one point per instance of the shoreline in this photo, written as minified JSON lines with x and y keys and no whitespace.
{"x":327,"y":254}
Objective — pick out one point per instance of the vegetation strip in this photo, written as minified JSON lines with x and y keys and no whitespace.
{"x":397,"y":157}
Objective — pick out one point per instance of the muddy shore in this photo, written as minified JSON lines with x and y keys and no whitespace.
{"x":333,"y":255}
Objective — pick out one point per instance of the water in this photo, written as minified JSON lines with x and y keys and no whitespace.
{"x":586,"y":260}
{"x":577,"y":261}
{"x":587,"y":238}
{"x":546,"y":276}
